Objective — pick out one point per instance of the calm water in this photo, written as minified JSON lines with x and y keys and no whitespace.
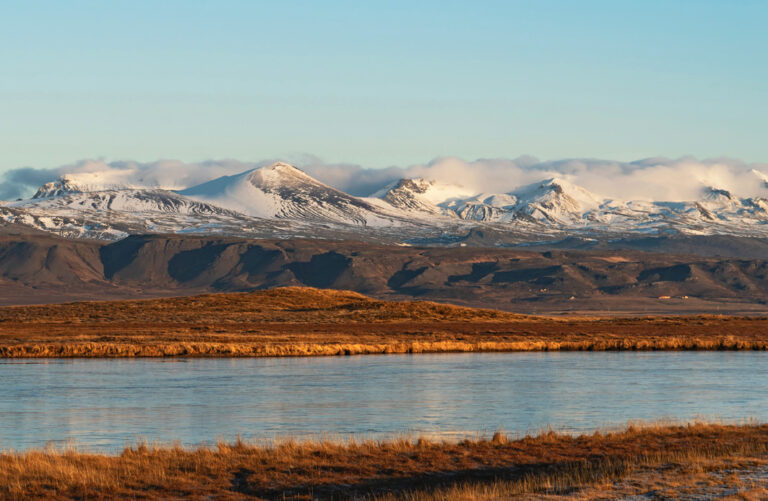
{"x":105,"y":404}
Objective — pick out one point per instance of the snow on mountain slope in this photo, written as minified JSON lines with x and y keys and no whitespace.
{"x":559,"y":204}
{"x":125,"y":200}
{"x":717,"y":211}
{"x":485,"y":207}
{"x":285,"y":192}
{"x":721,"y":205}
{"x":115,"y":213}
{"x":421,"y":195}
{"x":553,"y":201}
{"x":84,"y":182}
{"x":278,"y":201}
{"x":283,"y":201}
{"x":556,"y":200}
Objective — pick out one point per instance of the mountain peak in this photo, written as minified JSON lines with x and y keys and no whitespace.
{"x":562,"y":185}
{"x":408,"y":193}
{"x":555,"y":199}
{"x":416,"y":184}
{"x":97,"y":180}
{"x":422,"y":194}
{"x":281,"y":190}
{"x":719,"y":199}
{"x":283,"y":168}
{"x":712,"y":193}
{"x":83,"y":182}
{"x":281,"y":174}
{"x":557,"y":187}
{"x":56,"y":188}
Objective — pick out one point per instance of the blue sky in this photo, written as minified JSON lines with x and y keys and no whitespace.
{"x":381,"y":83}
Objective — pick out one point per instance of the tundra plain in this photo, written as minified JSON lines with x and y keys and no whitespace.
{"x":300,"y":321}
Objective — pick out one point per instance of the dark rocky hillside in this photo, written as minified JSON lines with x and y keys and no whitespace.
{"x":41,"y":268}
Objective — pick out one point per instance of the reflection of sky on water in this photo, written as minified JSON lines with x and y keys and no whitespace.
{"x":108,"y":403}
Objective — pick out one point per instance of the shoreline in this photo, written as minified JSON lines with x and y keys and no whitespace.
{"x":246,"y":350}
{"x":547,"y":463}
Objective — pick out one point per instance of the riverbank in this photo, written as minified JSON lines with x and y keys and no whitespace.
{"x":312,"y":322}
{"x":660,"y":460}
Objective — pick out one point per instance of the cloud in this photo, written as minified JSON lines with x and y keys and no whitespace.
{"x":18,"y":182}
{"x":168,"y":174}
{"x":652,"y":178}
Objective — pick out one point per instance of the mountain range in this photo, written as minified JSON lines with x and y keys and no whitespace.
{"x":281,"y":201}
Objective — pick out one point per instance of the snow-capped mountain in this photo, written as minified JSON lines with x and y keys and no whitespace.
{"x":283,"y":201}
{"x":115,"y":213}
{"x":556,"y":201}
{"x":123,"y":200}
{"x":422,"y":196}
{"x":282,"y":191}
{"x":275,"y":201}
{"x":559,"y":204}
{"x":553,"y":201}
{"x":84,"y":182}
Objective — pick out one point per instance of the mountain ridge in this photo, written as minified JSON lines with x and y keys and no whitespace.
{"x":281,"y":200}
{"x":42,"y":268}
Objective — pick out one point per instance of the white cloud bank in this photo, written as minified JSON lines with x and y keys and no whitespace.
{"x":653,"y":179}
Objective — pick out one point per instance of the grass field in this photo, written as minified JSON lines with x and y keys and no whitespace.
{"x":306,"y":322}
{"x":659,"y":461}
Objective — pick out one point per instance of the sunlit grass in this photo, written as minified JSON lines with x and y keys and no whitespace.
{"x":245,"y":349}
{"x":405,"y":467}
{"x":312,"y":322}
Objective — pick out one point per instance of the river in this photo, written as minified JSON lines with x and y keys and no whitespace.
{"x":104,"y":404}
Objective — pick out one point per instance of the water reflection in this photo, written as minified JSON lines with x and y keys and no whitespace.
{"x":104,"y":404}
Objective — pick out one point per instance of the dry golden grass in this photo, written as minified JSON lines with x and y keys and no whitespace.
{"x":685,"y":476}
{"x":286,"y":304}
{"x":548,"y":464}
{"x":308,"y":322}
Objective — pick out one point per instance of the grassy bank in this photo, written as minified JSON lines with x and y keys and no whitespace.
{"x":667,"y":458}
{"x":311,"y":322}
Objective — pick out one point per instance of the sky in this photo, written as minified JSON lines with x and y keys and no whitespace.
{"x":381,"y":84}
